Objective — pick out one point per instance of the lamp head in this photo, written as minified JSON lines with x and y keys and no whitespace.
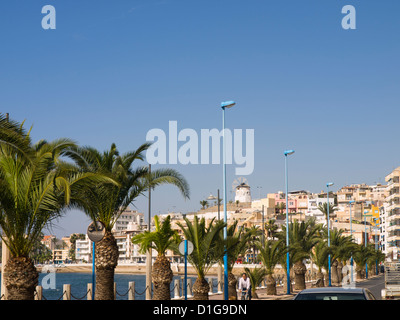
{"x":329,"y":184}
{"x":288,"y":152}
{"x":227,"y":104}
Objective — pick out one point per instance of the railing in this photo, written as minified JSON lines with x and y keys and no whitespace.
{"x":177,"y":290}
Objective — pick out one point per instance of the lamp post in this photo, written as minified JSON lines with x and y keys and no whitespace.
{"x":329,"y":236}
{"x":351,"y":236}
{"x":224,"y":105}
{"x":365,"y":242}
{"x":287,"y":153}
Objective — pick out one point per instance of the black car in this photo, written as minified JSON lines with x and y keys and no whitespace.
{"x":335,"y":293}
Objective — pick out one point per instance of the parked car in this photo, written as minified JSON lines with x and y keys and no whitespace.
{"x":335,"y":293}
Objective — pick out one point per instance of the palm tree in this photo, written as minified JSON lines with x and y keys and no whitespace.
{"x":256,"y":276}
{"x":161,"y":239}
{"x":271,"y":229}
{"x":204,"y":255}
{"x":340,"y":247}
{"x":319,"y":256}
{"x":105,"y":203}
{"x":35,"y":188}
{"x":302,"y":238}
{"x":270,"y":254}
{"x":14,"y":136}
{"x":361,"y":256}
{"x":324,"y":209}
{"x":203,"y":204}
{"x":236,"y":245}
{"x":377,"y":256}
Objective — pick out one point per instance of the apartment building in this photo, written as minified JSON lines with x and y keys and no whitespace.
{"x":393,"y":212}
{"x":83,"y":250}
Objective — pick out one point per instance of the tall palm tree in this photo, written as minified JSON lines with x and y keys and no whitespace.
{"x":270,"y":254}
{"x":271,"y":229}
{"x":161,"y":239}
{"x":236,"y":245}
{"x":35,"y":189}
{"x":324,"y":209}
{"x":106,"y":203}
{"x":205,"y":254}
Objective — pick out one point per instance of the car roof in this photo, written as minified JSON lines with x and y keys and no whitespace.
{"x":332,"y":290}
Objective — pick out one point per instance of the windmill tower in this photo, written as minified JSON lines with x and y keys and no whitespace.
{"x":242,"y":190}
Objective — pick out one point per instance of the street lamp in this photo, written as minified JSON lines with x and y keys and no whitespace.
{"x":351,"y":236}
{"x":224,"y":105}
{"x":329,"y":239}
{"x":287,"y":153}
{"x":365,"y":241}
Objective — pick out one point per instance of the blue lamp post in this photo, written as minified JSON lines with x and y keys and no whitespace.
{"x":329,"y":236}
{"x":287,"y":153}
{"x":224,"y":105}
{"x":365,"y":242}
{"x":351,"y":237}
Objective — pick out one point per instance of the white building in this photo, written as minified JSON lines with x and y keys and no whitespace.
{"x":392,"y":240}
{"x":83,"y":250}
{"x":313,"y":211}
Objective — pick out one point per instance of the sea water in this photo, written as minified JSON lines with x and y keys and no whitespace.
{"x":79,"y":281}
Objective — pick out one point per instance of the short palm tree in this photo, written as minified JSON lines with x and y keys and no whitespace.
{"x":256,"y":277}
{"x":361,"y":256}
{"x":205,"y":254}
{"x":236,"y":245}
{"x":106,"y":203}
{"x":302,"y":238}
{"x":340,"y":246}
{"x":161,"y":239}
{"x":270,"y":254}
{"x":319,"y":256}
{"x":377,"y":256}
{"x":204,"y":204}
{"x":34,"y":191}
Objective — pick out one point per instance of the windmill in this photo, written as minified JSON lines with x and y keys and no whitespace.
{"x":242,"y":189}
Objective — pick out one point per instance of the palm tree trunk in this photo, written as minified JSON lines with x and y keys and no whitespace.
{"x":299,"y":269}
{"x":271,"y":285}
{"x":21,"y":278}
{"x":232,"y":281}
{"x":334,"y":273}
{"x":200,"y":289}
{"x":162,"y":277}
{"x":339,"y":271}
{"x":359,"y":271}
{"x":320,"y":276}
{"x":106,"y":261}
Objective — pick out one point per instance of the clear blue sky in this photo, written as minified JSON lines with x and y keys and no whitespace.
{"x":113,"y":70}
